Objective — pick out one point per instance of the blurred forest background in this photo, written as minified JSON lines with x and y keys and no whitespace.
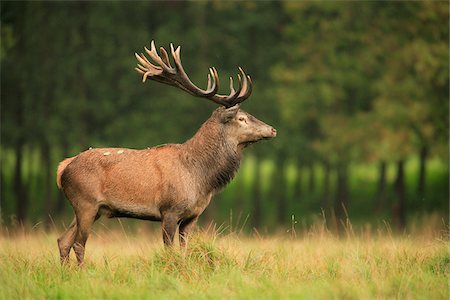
{"x":358,"y":91}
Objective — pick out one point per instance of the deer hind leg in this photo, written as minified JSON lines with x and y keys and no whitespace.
{"x":85,"y":219}
{"x":66,"y":240}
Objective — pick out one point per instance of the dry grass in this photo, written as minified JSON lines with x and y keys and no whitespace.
{"x":314,"y":265}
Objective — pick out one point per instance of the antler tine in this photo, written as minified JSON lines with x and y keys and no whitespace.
{"x":246,"y":87}
{"x":248,"y":91}
{"x":215,"y":77}
{"x":210,"y":77}
{"x":165,"y":57}
{"x":144,"y":61}
{"x":141,"y":60}
{"x":156,"y":58}
{"x":232,"y":91}
{"x":238,"y":96}
{"x":185,"y":81}
{"x":176,"y":76}
{"x":229,"y":100}
{"x":233,"y":94}
{"x":139,"y":71}
{"x":141,"y":68}
{"x":239,"y":90}
{"x":146,"y":65}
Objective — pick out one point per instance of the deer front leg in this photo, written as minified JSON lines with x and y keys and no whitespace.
{"x":185,"y":229}
{"x":169,"y":226}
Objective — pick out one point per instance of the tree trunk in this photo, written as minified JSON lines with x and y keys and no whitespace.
{"x":423,"y":155}
{"x":280,"y":180}
{"x":48,"y":182}
{"x":257,"y":201}
{"x":380,"y":197}
{"x":298,"y":185}
{"x":342,"y":196}
{"x":20,"y":192}
{"x":19,"y":186}
{"x":326,"y":187}
{"x":82,"y":86}
{"x":399,"y":209}
{"x":240,"y":196}
{"x":2,"y":192}
{"x":61,"y":201}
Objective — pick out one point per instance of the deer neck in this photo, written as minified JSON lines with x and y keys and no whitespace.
{"x":212,"y":156}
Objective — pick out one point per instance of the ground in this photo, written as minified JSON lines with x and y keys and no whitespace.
{"x":311,"y":265}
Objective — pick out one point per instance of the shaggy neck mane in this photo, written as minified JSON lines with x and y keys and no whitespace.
{"x":212,"y":155}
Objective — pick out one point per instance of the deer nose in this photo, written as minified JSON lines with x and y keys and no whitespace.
{"x":274,"y":132}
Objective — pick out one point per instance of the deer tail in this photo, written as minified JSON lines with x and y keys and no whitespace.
{"x":61,"y":167}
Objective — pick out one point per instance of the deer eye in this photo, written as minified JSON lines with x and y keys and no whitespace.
{"x":242,"y":119}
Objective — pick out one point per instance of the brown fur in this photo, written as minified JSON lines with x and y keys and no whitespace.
{"x":172,"y":183}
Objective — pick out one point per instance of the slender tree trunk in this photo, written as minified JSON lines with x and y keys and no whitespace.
{"x":423,"y":155}
{"x":312,"y":178}
{"x":48,"y":182}
{"x":380,"y":197}
{"x":239,"y":206}
{"x":281,"y":201}
{"x":82,"y":85}
{"x":399,"y":209}
{"x":19,"y":186}
{"x":326,"y":187}
{"x":257,"y":198}
{"x":20,"y":192}
{"x":342,"y":195}
{"x":2,"y":191}
{"x":298,"y":185}
{"x":61,"y":201}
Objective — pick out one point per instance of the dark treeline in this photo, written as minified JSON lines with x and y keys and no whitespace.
{"x":346,"y":84}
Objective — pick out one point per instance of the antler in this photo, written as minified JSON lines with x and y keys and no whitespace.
{"x":176,"y":76}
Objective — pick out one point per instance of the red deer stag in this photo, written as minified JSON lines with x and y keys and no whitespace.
{"x":173,"y":183}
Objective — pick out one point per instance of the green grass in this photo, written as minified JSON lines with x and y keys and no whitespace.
{"x":315,"y":265}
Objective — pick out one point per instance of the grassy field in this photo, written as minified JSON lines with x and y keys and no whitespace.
{"x":311,"y":265}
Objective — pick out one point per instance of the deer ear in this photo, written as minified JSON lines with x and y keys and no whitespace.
{"x":229,"y":113}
